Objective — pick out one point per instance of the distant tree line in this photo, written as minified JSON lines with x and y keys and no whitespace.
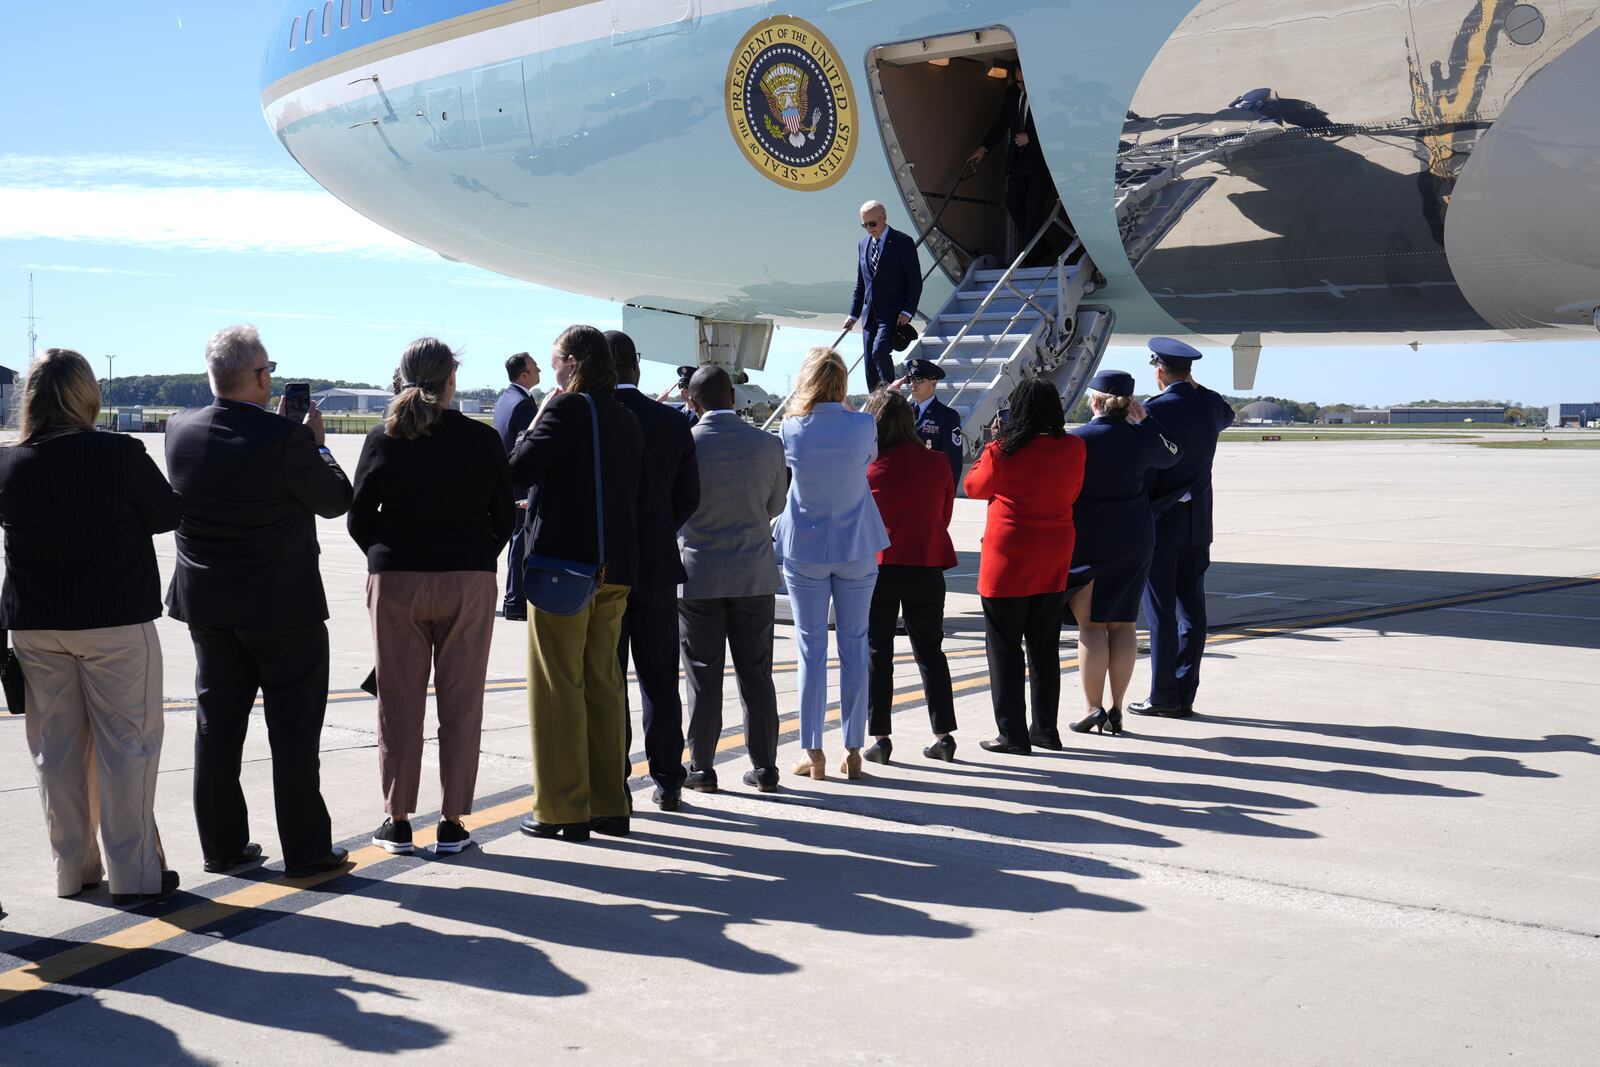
{"x":186,"y":390}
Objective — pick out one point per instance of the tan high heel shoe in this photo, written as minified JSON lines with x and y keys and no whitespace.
{"x":814,"y":766}
{"x":850,"y":766}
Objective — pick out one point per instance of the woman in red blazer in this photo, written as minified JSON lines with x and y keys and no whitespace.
{"x":915,"y":495}
{"x":1031,"y":475}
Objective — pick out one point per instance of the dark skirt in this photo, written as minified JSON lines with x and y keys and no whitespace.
{"x":1118,"y":585}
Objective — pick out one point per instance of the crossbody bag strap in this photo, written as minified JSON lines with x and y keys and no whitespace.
{"x":599,"y":497}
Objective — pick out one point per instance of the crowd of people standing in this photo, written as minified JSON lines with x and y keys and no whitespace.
{"x":633,"y":536}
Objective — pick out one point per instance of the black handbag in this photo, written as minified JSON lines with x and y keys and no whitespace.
{"x":11,"y":679}
{"x":564,"y":586}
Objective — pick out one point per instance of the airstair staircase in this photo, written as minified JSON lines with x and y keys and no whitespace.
{"x":1006,"y":324}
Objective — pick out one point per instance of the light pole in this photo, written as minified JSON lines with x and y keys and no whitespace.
{"x":110,"y":377}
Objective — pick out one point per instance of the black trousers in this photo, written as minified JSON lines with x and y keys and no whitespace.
{"x":918,"y":592}
{"x":1175,"y":611}
{"x":707,"y":629}
{"x":1008,"y":623}
{"x":516,"y":602}
{"x":650,"y":630}
{"x":878,"y":339}
{"x":1030,"y":194}
{"x":290,"y":670}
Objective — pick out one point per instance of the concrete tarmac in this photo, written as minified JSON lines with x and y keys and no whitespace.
{"x":1377,"y":842}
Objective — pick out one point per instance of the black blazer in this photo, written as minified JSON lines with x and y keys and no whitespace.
{"x":79,"y":508}
{"x":1011,"y":122}
{"x":440,"y":503}
{"x":556,"y":457}
{"x":1194,"y":417}
{"x":513,"y":411}
{"x":253,"y":484}
{"x":671,"y":489}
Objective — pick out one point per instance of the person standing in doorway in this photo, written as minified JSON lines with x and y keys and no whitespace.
{"x":1180,"y":496}
{"x":1030,"y":191}
{"x":888,"y":289}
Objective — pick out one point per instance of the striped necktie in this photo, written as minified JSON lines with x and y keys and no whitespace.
{"x":872,"y":254}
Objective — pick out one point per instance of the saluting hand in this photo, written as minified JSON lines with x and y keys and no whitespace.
{"x":1136,"y":412}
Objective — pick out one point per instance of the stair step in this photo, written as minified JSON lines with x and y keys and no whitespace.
{"x":1025,"y":274}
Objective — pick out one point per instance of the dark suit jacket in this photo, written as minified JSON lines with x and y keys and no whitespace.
{"x":79,"y":508}
{"x":671,"y":489}
{"x":513,"y":412}
{"x":556,"y":457}
{"x":895,"y":287}
{"x":1011,"y":122}
{"x":253,"y":485}
{"x":940,"y":429}
{"x":440,"y":503}
{"x":1193,"y":417}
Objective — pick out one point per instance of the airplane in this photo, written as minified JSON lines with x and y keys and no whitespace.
{"x":1242,"y":172}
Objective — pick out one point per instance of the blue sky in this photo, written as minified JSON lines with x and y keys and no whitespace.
{"x":140,"y":186}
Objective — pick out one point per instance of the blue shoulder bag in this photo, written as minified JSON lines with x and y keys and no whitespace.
{"x":562,"y":586}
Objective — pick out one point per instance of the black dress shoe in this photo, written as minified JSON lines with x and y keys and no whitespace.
{"x":169,"y":886}
{"x":944,"y":748}
{"x":762,"y":778}
{"x":701,"y":781}
{"x":880,"y":751}
{"x":251,"y":853}
{"x":665,"y":799}
{"x":1051,"y":741}
{"x":998,"y":745}
{"x":331,"y":862}
{"x":1165,"y":711}
{"x":612,"y":826}
{"x":515,"y":616}
{"x":571,"y":831}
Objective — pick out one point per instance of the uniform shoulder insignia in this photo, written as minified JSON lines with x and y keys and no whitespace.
{"x":1171,"y":447}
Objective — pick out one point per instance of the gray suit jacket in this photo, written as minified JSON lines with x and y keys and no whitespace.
{"x":727,"y":542}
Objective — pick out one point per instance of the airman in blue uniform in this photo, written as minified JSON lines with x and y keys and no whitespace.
{"x":1115,"y":535}
{"x":1180,"y":497}
{"x":938,"y":424}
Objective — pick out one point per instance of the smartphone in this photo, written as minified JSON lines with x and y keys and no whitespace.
{"x":297,"y":401}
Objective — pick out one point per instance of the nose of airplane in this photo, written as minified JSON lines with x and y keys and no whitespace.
{"x":1523,"y":230}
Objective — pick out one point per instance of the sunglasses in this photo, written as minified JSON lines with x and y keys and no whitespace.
{"x":870,"y":225}
{"x":913,"y":380}
{"x":269,"y":366}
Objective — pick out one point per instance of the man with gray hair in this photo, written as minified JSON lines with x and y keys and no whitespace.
{"x":248,"y":584}
{"x":888,"y":289}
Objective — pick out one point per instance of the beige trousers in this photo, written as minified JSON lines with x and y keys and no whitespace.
{"x":94,"y":728}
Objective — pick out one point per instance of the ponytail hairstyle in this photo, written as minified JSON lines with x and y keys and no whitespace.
{"x":594,"y":371}
{"x":1109,"y":403}
{"x":61,"y":393}
{"x":1035,"y":412}
{"x":422,"y":389}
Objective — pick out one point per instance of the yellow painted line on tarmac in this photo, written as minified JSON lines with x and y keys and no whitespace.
{"x":67,"y":964}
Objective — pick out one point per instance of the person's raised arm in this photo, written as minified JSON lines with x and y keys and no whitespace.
{"x":980,"y":483}
{"x":313,"y":477}
{"x":546,"y":441}
{"x":159,"y":507}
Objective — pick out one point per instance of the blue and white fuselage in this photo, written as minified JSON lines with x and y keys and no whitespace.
{"x":1414,"y":168}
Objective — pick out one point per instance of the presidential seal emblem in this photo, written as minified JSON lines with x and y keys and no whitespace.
{"x":790,"y":105}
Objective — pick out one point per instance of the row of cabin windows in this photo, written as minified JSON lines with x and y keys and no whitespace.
{"x":305,"y":31}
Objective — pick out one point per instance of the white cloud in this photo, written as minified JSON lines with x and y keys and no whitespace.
{"x":70,"y":268}
{"x":195,"y":203}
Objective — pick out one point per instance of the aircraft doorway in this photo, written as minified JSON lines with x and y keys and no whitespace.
{"x":936,"y":98}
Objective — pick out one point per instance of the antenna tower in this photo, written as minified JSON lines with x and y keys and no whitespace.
{"x":33,"y":337}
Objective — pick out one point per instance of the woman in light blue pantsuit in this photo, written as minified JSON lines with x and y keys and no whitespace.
{"x":828,"y":540}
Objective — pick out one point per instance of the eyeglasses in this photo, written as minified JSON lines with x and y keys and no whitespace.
{"x":912,"y":380}
{"x":871,"y":225}
{"x":269,"y":366}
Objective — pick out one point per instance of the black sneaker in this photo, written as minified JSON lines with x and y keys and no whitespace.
{"x":394,"y":837}
{"x":452,"y":838}
{"x":701,"y":781}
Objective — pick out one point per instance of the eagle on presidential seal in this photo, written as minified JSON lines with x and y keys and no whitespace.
{"x":788,"y":92}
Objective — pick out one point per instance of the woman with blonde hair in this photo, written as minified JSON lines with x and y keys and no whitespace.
{"x":433,"y":508}
{"x":81,"y":593}
{"x":828,"y":539}
{"x":1116,"y":536}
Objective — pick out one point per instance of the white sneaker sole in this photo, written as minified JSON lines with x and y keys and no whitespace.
{"x":450,"y":849}
{"x":394,"y":848}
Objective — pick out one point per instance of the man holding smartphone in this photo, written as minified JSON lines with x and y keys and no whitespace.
{"x":248,"y":584}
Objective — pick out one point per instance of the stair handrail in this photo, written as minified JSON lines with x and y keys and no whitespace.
{"x":967,"y":171}
{"x":1004,"y":282}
